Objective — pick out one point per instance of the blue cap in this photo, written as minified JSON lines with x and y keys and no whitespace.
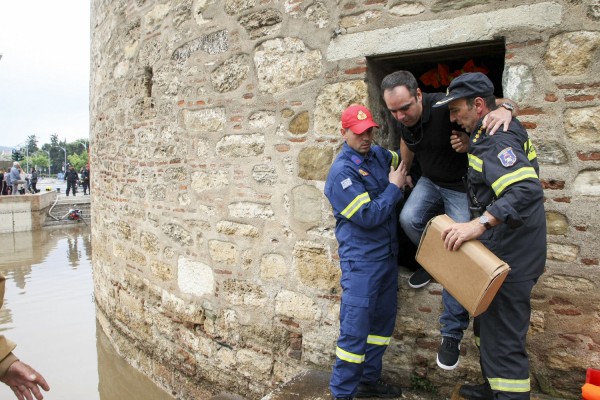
{"x":470,"y":84}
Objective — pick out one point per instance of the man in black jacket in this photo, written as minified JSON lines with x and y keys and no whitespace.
{"x":71,"y":177}
{"x":507,"y":216}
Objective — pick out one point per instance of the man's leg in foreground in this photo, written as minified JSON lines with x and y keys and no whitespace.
{"x":503,"y":341}
{"x":424,"y":203}
{"x":383,"y":321}
{"x":356,"y":361}
{"x":454,"y":318}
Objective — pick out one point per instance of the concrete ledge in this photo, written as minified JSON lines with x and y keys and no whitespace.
{"x":445,"y":32}
{"x":26,"y":212}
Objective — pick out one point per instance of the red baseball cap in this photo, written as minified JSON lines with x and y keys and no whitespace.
{"x":358,"y":119}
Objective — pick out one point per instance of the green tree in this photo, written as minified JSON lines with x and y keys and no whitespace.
{"x":78,"y":160}
{"x":39,"y":160}
{"x":31,"y":144}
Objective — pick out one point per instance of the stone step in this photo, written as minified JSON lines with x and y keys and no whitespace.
{"x":58,"y":213}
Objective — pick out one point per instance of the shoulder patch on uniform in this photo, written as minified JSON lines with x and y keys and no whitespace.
{"x":507,"y":157}
{"x":356,"y":159}
{"x":363,"y":172}
{"x":346,"y":183}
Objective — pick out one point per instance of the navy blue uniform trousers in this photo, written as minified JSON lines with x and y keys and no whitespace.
{"x":367,"y":320}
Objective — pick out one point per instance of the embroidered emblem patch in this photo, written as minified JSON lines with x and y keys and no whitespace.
{"x":507,"y":157}
{"x":346,"y":183}
{"x":356,"y":159}
{"x":363,"y":172}
{"x":361,"y":116}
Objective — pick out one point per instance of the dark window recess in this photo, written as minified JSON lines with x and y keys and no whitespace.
{"x":148,"y":75}
{"x":489,"y":55}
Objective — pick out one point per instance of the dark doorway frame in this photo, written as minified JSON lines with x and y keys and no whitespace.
{"x":488,"y":54}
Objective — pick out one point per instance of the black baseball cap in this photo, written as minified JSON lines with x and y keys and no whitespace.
{"x":470,"y":84}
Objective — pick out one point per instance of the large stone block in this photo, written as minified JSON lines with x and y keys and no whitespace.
{"x":587,"y":183}
{"x":307,"y":201}
{"x":283,"y":64}
{"x":314,"y":163}
{"x":583,"y":124}
{"x":194,"y":277}
{"x":273,"y":266}
{"x":332,"y":100}
{"x":223,"y":252}
{"x":237,"y":229}
{"x":238,"y":6}
{"x":557,"y":223}
{"x":407,"y":8}
{"x":262,"y":23}
{"x":296,"y":306}
{"x":231,"y":74}
{"x":251,"y":210}
{"x":312,"y":261}
{"x":212,"y":43}
{"x":562,"y":252}
{"x":517,"y":82}
{"x":178,"y":234}
{"x":241,"y":145}
{"x":203,"y":121}
{"x":243,"y":293}
{"x":209,"y":180}
{"x":551,"y":152}
{"x":571,"y":53}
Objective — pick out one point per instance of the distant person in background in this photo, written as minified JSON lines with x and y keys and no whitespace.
{"x":20,"y":377}
{"x":33,"y":180}
{"x":15,"y":177}
{"x":71,"y":177}
{"x":85,"y":178}
{"x":2,"y":183}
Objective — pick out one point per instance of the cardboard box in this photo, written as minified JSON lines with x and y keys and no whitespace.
{"x":473,"y":274}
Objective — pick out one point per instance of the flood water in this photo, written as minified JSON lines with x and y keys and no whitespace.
{"x":49,"y":312}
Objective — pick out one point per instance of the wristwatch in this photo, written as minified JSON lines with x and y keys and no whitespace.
{"x":508,"y":106}
{"x":485,"y":221}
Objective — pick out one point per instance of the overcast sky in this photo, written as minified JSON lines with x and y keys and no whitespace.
{"x":44,"y":70}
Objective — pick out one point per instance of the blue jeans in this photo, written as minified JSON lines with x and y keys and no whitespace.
{"x":425,"y":202}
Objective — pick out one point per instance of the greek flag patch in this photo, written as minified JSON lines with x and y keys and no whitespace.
{"x":346,"y":183}
{"x":507,"y":157}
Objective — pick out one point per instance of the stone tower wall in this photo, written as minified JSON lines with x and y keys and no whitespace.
{"x":214,"y":123}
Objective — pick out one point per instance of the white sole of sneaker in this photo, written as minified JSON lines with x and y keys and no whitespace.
{"x":418,"y":286}
{"x":446,"y":367}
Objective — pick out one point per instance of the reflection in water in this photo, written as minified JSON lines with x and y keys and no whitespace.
{"x":49,"y":312}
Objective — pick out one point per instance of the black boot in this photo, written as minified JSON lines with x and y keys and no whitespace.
{"x":482,"y":391}
{"x":379,"y":389}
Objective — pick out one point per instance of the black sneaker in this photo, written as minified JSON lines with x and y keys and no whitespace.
{"x":448,"y":353}
{"x":419,"y":278}
{"x":380,"y":389}
{"x":477,"y":392}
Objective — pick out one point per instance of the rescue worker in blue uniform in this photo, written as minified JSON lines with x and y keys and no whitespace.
{"x":363,"y":187}
{"x":507,"y":207}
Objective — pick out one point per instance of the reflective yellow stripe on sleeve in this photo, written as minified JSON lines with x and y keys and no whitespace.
{"x":530,"y":150}
{"x":378,"y":340}
{"x":355,"y":204}
{"x":395,"y":159}
{"x":516,"y":176}
{"x":510,"y":385}
{"x":349,"y":357}
{"x":475,"y":163}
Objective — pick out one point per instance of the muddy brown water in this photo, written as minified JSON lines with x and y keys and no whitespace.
{"x":49,"y":312}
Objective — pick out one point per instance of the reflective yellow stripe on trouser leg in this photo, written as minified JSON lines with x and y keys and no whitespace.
{"x":378,"y":340}
{"x":349,"y":357}
{"x":510,"y":385}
